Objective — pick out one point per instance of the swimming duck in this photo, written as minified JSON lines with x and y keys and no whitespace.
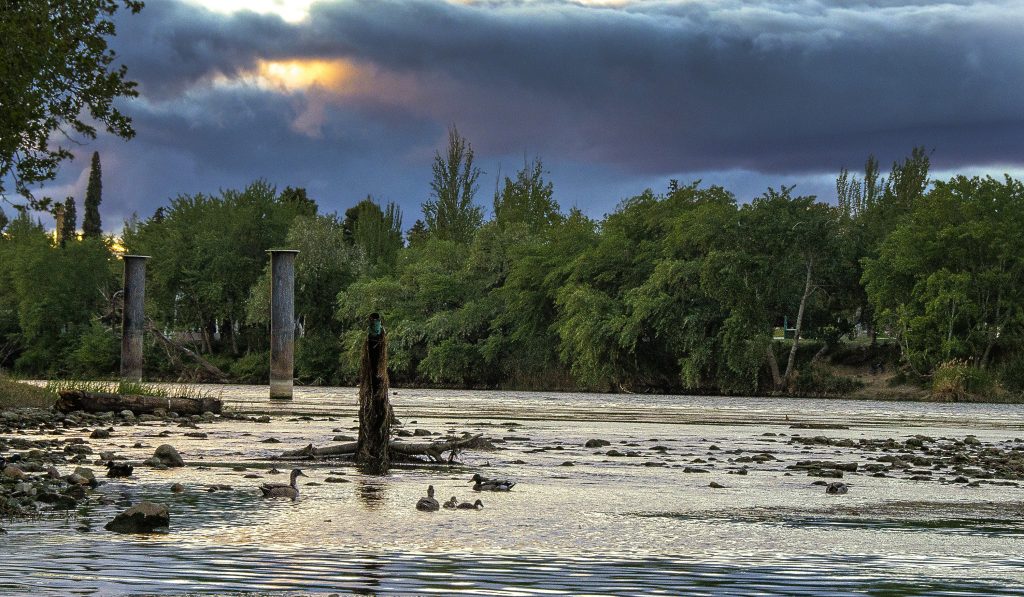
{"x":428,"y":504}
{"x":282,"y":490}
{"x":119,"y":469}
{"x":452,"y":503}
{"x":467,"y":506}
{"x":484,"y":484}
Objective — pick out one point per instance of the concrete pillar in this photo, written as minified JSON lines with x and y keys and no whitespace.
{"x":133,"y":316}
{"x":282,"y":322}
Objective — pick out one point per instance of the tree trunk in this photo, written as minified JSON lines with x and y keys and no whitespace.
{"x":808,"y":289}
{"x":773,"y":365}
{"x":374,"y":407}
{"x":97,"y":402}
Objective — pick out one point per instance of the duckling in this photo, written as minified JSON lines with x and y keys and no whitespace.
{"x":428,"y":504}
{"x":452,"y":503}
{"x":467,"y":506}
{"x":119,"y":469}
{"x":280,"y":489}
{"x":484,"y":484}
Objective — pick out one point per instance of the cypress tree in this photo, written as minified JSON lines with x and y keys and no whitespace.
{"x":91,"y":225}
{"x":69,"y":232}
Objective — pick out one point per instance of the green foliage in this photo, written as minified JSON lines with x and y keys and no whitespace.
{"x":527,"y":200}
{"x":949,"y":282}
{"x":97,"y":353}
{"x":450,"y":213}
{"x":252,"y":367}
{"x":207,"y":253}
{"x":957,"y":380}
{"x":92,"y":225}
{"x":50,"y":296}
{"x":58,"y":76}
{"x":69,"y":232}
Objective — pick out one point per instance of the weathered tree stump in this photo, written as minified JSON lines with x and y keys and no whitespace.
{"x":375,"y":414}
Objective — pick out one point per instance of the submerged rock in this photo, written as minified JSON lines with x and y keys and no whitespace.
{"x":836,"y":488}
{"x":168,"y":455}
{"x":145,"y":517}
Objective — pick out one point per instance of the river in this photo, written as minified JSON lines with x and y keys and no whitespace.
{"x":577,"y":522}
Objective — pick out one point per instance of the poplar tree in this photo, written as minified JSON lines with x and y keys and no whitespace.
{"x":70,"y":229}
{"x":92,"y":227}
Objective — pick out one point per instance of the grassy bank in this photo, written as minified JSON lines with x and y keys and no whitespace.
{"x":14,"y":394}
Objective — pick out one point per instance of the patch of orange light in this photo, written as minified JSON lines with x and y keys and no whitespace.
{"x":294,"y":75}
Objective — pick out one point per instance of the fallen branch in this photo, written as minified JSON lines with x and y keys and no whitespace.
{"x":96,"y":402}
{"x":434,"y":450}
{"x":168,"y":343}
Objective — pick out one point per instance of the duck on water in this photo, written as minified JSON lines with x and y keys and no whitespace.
{"x":484,"y":484}
{"x":289,"y":490}
{"x":428,"y":504}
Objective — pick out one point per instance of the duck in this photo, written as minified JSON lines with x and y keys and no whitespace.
{"x":467,"y":506}
{"x":428,"y":504}
{"x":484,"y":484}
{"x":119,"y":469}
{"x":280,"y":489}
{"x":452,"y":503}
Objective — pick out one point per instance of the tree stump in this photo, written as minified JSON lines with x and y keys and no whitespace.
{"x":375,"y":414}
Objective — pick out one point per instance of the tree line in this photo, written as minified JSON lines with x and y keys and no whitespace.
{"x":686,"y":290}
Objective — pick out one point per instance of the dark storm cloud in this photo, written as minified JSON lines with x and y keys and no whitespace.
{"x":652,"y":86}
{"x":613,"y":98}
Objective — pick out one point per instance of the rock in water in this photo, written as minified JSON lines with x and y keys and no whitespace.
{"x":168,"y":455}
{"x":836,"y":488}
{"x":597,"y":443}
{"x":145,"y":517}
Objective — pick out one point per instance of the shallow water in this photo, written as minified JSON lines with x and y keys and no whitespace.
{"x":604,"y":525}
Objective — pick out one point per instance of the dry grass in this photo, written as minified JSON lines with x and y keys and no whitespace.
{"x":14,"y":394}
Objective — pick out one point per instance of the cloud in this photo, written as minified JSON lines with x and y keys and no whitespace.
{"x":357,"y":94}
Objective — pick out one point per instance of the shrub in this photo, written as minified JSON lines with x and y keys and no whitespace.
{"x":957,"y":381}
{"x":96,"y":354}
{"x":253,"y":367}
{"x":316,"y":359}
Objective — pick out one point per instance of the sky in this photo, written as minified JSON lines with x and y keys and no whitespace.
{"x":349,"y":98}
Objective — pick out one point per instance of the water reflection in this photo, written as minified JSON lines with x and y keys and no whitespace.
{"x":372,"y":492}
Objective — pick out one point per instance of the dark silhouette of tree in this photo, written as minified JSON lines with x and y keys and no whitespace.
{"x":57,"y":77}
{"x":70,"y":229}
{"x":92,"y":226}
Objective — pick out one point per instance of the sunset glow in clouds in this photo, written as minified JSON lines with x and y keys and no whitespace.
{"x":352,"y":97}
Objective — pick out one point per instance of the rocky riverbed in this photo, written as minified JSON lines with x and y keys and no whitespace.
{"x":635,"y":505}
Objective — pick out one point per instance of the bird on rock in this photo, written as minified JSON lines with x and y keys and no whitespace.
{"x":119,"y":469}
{"x":282,"y":490}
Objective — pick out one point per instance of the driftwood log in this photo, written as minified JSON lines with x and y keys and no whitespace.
{"x":433,"y":450}
{"x":95,"y":402}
